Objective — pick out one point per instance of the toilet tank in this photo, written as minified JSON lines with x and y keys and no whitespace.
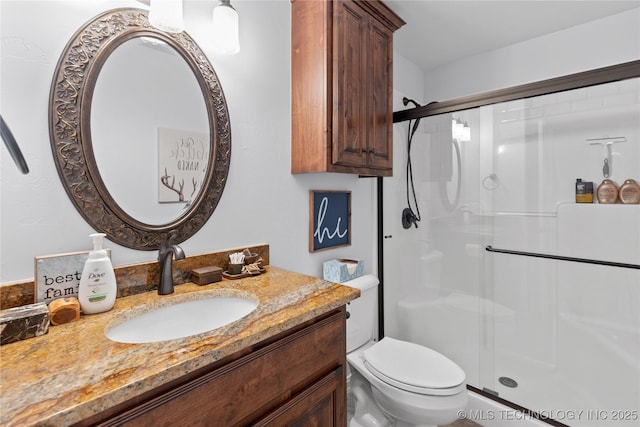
{"x":362,"y":311}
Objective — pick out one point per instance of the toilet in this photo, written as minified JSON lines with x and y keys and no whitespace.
{"x":393,"y":382}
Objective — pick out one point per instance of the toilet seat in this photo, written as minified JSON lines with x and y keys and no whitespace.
{"x":414,"y":368}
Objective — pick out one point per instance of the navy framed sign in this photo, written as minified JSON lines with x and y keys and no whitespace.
{"x":329,"y":219}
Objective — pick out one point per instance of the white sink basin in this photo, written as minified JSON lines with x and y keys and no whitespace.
{"x":181,"y":319}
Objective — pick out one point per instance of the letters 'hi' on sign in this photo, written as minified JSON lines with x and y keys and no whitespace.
{"x":329,"y":219}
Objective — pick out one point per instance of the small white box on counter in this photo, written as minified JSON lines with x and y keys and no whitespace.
{"x":341,"y":270}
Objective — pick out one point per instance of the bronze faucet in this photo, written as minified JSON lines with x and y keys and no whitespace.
{"x":165,"y":259}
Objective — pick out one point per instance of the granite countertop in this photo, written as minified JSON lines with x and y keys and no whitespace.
{"x":75,"y":371}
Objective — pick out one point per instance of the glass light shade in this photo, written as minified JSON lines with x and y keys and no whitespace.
{"x":456,"y":128}
{"x":225,"y":29}
{"x":465,"y":134}
{"x":166,"y":15}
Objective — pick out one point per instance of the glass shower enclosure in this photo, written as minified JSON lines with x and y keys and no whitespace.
{"x":535,"y":296}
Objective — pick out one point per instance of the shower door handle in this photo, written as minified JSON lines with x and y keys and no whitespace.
{"x":489,"y":248}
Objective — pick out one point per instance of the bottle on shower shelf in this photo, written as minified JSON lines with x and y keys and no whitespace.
{"x":607,"y":192}
{"x":584,"y":191}
{"x":630,"y":192}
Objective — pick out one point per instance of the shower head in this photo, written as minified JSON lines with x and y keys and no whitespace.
{"x":406,"y":101}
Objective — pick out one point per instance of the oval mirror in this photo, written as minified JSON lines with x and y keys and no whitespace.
{"x":135,"y":162}
{"x":163,"y":145}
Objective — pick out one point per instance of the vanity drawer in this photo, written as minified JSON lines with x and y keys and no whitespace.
{"x":316,"y":406}
{"x":256,"y":384}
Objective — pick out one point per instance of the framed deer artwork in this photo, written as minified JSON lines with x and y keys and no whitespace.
{"x":182,"y":164}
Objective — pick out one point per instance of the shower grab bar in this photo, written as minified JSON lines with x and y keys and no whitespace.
{"x":489,"y":248}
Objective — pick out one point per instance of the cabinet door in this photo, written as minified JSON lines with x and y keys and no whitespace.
{"x":320,"y":405}
{"x":350,"y":46}
{"x":380,"y":97}
{"x":342,"y":52}
{"x":363,"y":97}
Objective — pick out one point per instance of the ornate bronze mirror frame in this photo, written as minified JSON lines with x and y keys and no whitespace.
{"x":70,"y":130}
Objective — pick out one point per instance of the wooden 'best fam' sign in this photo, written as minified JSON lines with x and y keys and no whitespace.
{"x":58,"y":276}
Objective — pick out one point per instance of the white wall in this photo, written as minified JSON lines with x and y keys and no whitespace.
{"x":607,"y":41}
{"x":262,"y":201}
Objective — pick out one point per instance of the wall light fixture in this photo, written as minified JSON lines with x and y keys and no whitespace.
{"x":166,"y":15}
{"x":460,"y":130}
{"x":225,"y":28}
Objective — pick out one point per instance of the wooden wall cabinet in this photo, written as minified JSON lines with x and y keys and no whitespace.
{"x":342,"y":86}
{"x":297,"y":378}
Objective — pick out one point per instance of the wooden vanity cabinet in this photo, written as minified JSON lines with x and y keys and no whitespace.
{"x":297,"y":378}
{"x":342,"y":86}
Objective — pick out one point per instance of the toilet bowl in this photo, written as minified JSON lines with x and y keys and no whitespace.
{"x":395,"y":382}
{"x":413,"y":385}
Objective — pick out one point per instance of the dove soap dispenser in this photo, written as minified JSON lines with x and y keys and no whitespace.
{"x":97,"y":292}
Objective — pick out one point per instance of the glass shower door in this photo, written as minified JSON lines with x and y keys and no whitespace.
{"x":434,"y":270}
{"x":572,"y":352}
{"x":558,"y":337}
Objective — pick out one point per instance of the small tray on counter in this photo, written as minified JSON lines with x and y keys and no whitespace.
{"x":228,"y":275}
